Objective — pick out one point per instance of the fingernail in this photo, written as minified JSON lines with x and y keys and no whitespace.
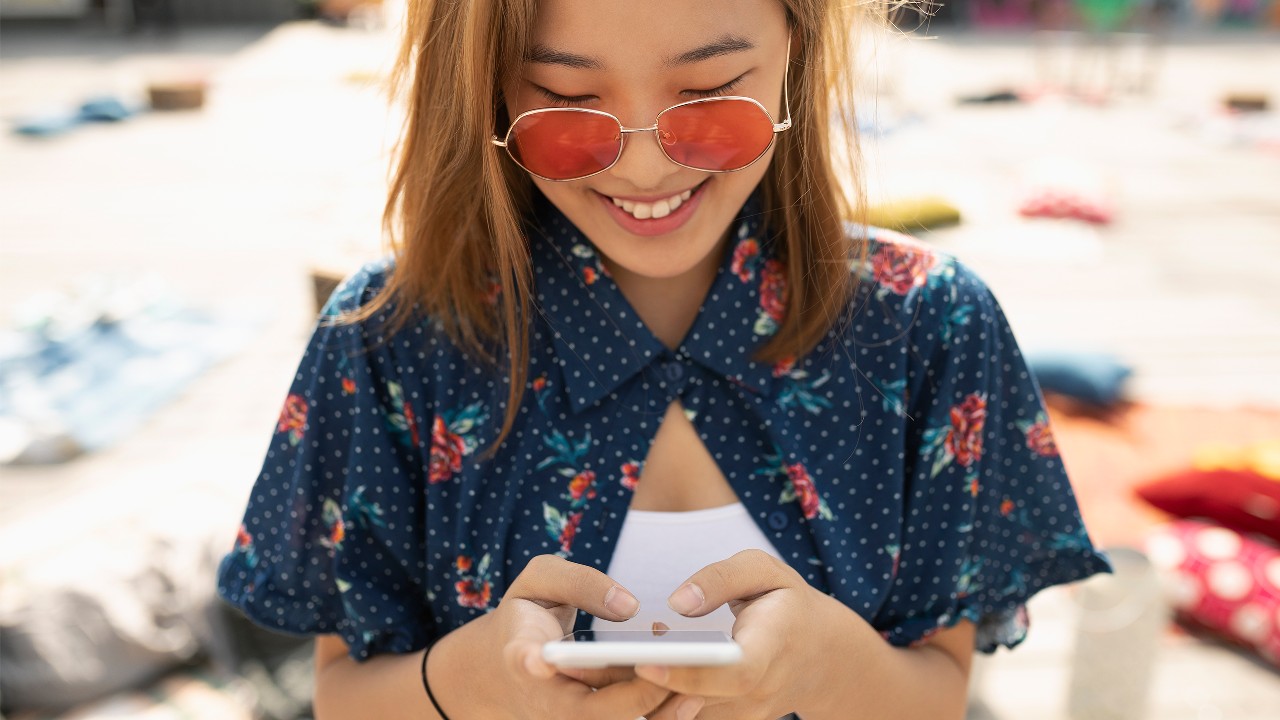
{"x":621,"y":602}
{"x":689,"y":708}
{"x":687,"y":599}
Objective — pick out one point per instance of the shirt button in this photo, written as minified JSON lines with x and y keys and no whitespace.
{"x":778,"y":520}
{"x":674,"y":371}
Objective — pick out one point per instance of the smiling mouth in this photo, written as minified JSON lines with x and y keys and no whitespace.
{"x":657,"y":209}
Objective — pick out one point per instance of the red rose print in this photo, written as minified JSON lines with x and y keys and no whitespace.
{"x":1040,"y":440}
{"x":742,"y":255}
{"x":1006,"y":507}
{"x":901,"y":269}
{"x":806,"y":493}
{"x":293,"y":418}
{"x":773,"y":290}
{"x":337,"y":533}
{"x":446,"y":452}
{"x":348,"y":386}
{"x":569,"y":531}
{"x":589,"y":275}
{"x":964,"y":437}
{"x":473,"y":593}
{"x":582,"y":484}
{"x":463,"y":563}
{"x":412,"y":422}
{"x":784,"y":367}
{"x":243,"y":539}
{"x":630,"y":475}
{"x":539,"y":383}
{"x":973,"y":487}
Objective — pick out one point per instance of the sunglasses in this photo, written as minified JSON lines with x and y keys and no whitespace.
{"x":719,"y":134}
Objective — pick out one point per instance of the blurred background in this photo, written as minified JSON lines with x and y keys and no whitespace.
{"x":181,"y":180}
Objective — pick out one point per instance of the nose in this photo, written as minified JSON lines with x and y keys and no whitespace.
{"x":643,"y":165}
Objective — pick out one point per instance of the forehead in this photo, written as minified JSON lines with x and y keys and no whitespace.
{"x":622,"y":34}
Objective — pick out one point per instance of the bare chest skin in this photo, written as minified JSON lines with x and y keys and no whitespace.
{"x":679,"y":475}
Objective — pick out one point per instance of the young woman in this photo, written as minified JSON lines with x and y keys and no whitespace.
{"x":630,"y":364}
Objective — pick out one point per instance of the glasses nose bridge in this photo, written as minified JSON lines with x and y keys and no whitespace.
{"x":625,"y":131}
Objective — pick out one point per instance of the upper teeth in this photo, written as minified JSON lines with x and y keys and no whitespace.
{"x":661,"y":208}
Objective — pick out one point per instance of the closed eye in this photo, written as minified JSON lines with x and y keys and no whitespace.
{"x":724,"y":89}
{"x":558,"y":100}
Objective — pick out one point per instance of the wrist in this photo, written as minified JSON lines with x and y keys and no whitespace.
{"x":454,"y":677}
{"x":838,"y":649}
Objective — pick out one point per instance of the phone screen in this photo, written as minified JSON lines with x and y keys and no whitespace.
{"x":602,"y":648}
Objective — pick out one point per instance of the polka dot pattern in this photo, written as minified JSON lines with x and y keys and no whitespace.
{"x":905,"y":466}
{"x":1222,"y":581}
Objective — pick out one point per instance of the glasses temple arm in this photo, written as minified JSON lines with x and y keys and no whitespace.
{"x":786,"y":93}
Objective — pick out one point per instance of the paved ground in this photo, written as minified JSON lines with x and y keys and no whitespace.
{"x":283,"y":169}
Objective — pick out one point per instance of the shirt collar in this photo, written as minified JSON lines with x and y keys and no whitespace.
{"x":600,"y":342}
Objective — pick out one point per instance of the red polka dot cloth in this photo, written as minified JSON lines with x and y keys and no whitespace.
{"x":1222,"y":581}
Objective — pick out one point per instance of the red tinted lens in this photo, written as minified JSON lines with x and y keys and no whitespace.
{"x":565,"y":144}
{"x":716,"y":135}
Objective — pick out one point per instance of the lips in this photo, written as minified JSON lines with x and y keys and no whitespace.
{"x":658,"y":216}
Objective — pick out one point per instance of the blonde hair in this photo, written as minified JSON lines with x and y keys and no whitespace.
{"x":455,"y":206}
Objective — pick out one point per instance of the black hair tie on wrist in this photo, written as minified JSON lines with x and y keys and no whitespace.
{"x":426,"y":685}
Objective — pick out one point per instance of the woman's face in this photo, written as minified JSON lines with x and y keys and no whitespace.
{"x":634,"y":60}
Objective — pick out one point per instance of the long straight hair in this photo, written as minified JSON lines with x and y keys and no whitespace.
{"x":455,"y":207}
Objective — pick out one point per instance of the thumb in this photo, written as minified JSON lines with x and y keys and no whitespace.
{"x":745,"y":576}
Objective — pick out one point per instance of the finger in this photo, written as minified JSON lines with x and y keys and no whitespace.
{"x":744,"y":576}
{"x":760,"y":644}
{"x":550,"y":580}
{"x":599,"y":677}
{"x":627,"y":699}
{"x":534,"y":626}
{"x":678,"y":707}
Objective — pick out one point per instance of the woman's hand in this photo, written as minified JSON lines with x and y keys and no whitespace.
{"x":492,"y":667}
{"x":783,"y":626}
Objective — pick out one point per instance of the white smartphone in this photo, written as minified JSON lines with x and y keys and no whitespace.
{"x":605,"y":648}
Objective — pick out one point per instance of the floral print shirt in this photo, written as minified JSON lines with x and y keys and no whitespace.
{"x":905,"y":466}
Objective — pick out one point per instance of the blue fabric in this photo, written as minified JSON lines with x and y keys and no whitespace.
{"x":92,"y":383}
{"x":1095,"y":378}
{"x":904,"y":466}
{"x":98,"y":109}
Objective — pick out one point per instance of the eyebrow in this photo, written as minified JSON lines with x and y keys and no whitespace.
{"x":724,"y":45}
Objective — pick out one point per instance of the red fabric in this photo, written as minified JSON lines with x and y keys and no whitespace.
{"x":1241,"y":500}
{"x":1066,"y":204}
{"x":1109,"y":454}
{"x":1221,"y":581}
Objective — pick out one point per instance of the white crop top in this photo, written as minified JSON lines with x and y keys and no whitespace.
{"x":657,"y":551}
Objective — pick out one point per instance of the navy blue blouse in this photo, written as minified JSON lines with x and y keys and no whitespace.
{"x":905,"y":466}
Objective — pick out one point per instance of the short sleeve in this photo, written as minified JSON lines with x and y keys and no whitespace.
{"x":332,"y":538}
{"x":989,"y":516}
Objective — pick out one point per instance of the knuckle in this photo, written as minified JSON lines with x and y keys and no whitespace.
{"x":543,"y":564}
{"x":722,"y":573}
{"x":582,"y":582}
